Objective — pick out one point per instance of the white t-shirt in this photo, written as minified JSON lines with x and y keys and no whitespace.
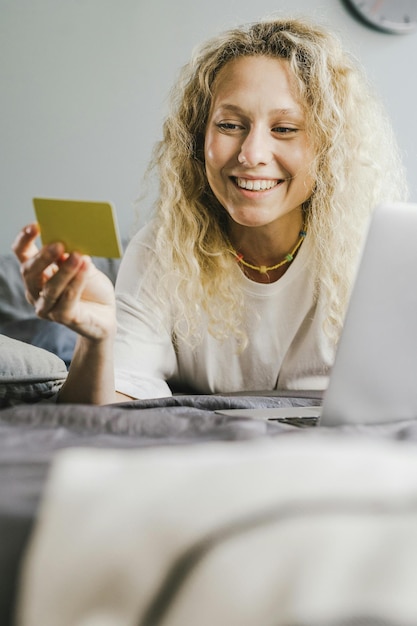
{"x":287,"y":346}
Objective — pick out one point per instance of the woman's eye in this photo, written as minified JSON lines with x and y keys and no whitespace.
{"x":229,"y":126}
{"x":284,"y":130}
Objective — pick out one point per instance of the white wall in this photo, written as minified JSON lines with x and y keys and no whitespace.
{"x":83,"y":87}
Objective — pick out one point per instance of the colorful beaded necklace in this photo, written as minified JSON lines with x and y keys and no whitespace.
{"x":264,"y":269}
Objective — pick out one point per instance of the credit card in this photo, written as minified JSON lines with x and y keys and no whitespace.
{"x":81,"y":225}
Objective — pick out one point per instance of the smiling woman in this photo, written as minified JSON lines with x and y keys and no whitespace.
{"x":274,"y":154}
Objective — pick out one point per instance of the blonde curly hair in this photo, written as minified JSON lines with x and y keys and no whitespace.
{"x":357,"y":165}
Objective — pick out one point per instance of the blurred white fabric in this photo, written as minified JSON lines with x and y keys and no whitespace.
{"x":301,"y":530}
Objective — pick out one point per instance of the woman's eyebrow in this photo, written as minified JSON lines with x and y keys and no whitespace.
{"x":234,"y":108}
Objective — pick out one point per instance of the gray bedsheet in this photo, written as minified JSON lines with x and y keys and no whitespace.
{"x":30,"y":436}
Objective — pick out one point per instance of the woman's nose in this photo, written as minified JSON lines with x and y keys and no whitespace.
{"x":255,"y":149}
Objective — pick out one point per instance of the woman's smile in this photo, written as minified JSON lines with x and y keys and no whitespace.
{"x":256,"y":184}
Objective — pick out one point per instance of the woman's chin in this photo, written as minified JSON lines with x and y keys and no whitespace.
{"x":252,"y":220}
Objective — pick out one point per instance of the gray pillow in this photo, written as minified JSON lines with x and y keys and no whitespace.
{"x":13,"y":303}
{"x":45,"y":334}
{"x":28,"y":373}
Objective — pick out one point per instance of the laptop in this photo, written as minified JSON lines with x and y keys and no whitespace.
{"x":374,"y":376}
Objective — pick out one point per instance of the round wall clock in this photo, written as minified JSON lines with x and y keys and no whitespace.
{"x":390,"y":16}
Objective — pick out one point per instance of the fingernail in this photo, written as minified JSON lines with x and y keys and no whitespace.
{"x":73,"y":259}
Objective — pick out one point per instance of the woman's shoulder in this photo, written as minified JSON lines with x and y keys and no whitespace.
{"x":138,"y":259}
{"x":141,"y":247}
{"x":144,"y":236}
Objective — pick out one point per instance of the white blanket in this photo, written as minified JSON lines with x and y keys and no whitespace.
{"x":301,"y":530}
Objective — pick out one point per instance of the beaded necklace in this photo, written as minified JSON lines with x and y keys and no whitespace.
{"x":264,"y":269}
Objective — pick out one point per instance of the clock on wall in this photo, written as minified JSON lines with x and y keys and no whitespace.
{"x":390,"y":16}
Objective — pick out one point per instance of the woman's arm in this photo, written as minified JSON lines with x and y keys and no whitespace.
{"x":70,"y":290}
{"x":91,"y":374}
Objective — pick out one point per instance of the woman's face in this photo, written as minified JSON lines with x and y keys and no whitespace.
{"x":257,"y":153}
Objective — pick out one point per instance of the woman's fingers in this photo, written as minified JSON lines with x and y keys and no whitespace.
{"x":36,"y":266}
{"x":24,"y":245}
{"x":80,"y":297}
{"x":65,"y":288}
{"x":60,"y":286}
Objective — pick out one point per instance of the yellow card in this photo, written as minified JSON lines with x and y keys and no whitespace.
{"x":82,"y":226}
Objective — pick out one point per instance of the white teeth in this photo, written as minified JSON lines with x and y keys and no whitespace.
{"x":256,"y":185}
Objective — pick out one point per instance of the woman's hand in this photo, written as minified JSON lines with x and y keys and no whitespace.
{"x":66,"y":288}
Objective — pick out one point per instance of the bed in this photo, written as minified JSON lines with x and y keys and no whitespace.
{"x":165,"y":512}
